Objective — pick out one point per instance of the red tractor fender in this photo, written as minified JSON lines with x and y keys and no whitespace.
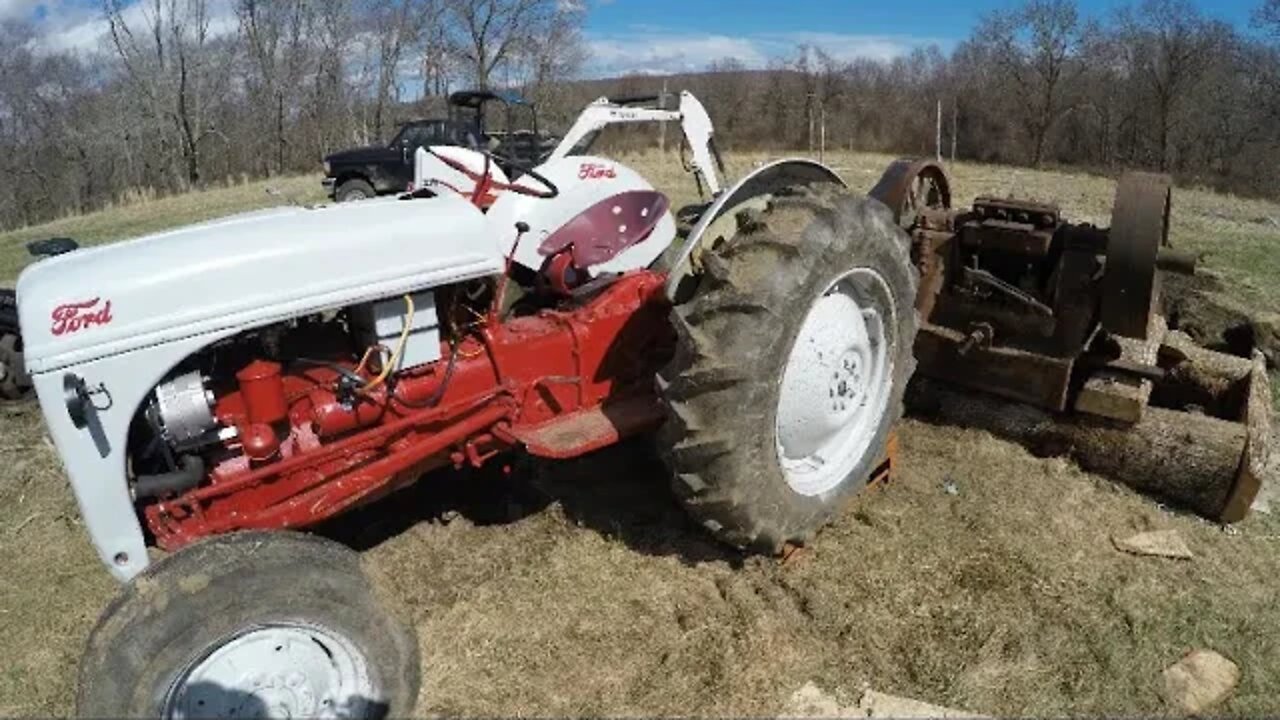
{"x":765,"y":180}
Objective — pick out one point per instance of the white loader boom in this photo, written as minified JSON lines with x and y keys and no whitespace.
{"x":692,"y":116}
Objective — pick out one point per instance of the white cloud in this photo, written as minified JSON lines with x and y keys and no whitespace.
{"x":655,"y":53}
{"x":17,"y":9}
{"x":851,"y":47}
{"x":79,"y":26}
{"x":657,"y":50}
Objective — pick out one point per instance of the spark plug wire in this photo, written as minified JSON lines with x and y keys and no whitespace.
{"x":368,"y":355}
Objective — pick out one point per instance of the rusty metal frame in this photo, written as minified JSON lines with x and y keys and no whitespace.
{"x":898,"y":189}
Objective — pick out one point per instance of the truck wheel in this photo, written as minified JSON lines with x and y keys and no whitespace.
{"x":353,"y":190}
{"x":14,"y":382}
{"x":250,"y":625}
{"x":791,"y":363}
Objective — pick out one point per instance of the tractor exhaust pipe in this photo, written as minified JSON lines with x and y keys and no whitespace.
{"x":188,"y":475}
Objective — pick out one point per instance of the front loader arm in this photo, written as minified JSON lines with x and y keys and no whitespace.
{"x":698,"y":129}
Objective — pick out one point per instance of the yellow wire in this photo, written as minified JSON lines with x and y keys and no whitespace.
{"x":395,"y":356}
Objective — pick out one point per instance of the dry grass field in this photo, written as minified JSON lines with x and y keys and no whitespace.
{"x":588,"y":593}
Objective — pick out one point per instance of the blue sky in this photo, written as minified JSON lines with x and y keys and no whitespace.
{"x":926,"y":17}
{"x":673,"y":35}
{"x":653,"y":36}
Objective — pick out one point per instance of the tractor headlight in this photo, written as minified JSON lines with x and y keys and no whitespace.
{"x":327,"y":169}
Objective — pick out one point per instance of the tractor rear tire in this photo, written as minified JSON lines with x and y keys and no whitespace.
{"x":354,"y":191}
{"x":763,"y":402}
{"x":260,"y":624}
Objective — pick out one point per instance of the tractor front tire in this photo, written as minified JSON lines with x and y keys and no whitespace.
{"x":261,"y":624}
{"x":354,"y":190}
{"x":792,"y":360}
{"x":14,"y":381}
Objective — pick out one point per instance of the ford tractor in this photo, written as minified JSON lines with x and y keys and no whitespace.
{"x":216,"y":389}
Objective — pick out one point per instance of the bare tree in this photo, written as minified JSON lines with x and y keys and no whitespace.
{"x":397,"y":27}
{"x":329,"y":108}
{"x":168,"y":57}
{"x":1268,"y":16}
{"x":439,"y":64}
{"x":1168,"y":46}
{"x":275,"y":35}
{"x":1101,"y":100}
{"x":729,"y":93}
{"x":1035,"y":47}
{"x":547,"y":58}
{"x":497,"y":34}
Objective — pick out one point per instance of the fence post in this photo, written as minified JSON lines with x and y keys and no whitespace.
{"x":939,"y":137}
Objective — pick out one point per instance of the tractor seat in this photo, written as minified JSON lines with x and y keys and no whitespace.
{"x":607,"y":229}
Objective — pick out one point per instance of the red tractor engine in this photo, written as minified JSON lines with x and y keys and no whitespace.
{"x":315,"y":437}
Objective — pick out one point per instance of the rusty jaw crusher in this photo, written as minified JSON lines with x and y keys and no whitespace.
{"x":1064,"y":320}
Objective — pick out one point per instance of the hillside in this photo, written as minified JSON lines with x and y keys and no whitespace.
{"x":147,"y":215}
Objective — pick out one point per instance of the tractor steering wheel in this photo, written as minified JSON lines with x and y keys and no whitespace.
{"x":483,"y":182}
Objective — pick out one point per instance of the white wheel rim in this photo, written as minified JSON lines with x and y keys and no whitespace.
{"x":837,"y":383}
{"x":278,"y":671}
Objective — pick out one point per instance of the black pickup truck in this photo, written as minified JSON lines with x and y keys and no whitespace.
{"x":364,"y":173}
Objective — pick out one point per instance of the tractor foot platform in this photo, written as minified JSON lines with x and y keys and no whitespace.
{"x":579,"y":433}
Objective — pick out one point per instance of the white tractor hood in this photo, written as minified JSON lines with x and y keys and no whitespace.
{"x":245,"y":271}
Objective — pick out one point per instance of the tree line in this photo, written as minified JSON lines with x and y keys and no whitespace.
{"x":1154,"y":85}
{"x":175,"y":97}
{"x":177,"y":93}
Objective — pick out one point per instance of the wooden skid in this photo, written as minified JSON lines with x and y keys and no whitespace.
{"x":1124,"y":397}
{"x":1009,"y":373}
